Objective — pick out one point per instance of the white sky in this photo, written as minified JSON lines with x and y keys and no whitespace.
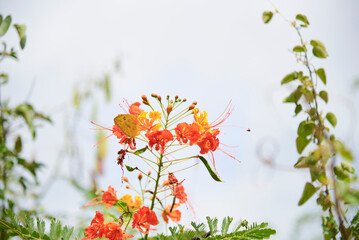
{"x":209,"y":51}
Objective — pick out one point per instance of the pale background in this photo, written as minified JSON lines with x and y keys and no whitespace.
{"x":208,"y":51}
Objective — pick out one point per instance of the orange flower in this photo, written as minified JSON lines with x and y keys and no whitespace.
{"x":113,"y":231}
{"x":109,"y":198}
{"x":143,"y":218}
{"x":159,"y":138}
{"x":175,"y":215}
{"x":179,"y":193}
{"x":209,"y":141}
{"x":130,"y":203}
{"x":187,"y":132}
{"x":135,"y":109}
{"x":149,"y":124}
{"x":96,"y":229}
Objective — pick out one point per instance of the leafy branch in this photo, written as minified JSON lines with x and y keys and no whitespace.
{"x":27,"y":229}
{"x":211,"y":231}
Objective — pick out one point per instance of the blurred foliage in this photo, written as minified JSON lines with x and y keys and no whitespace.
{"x":18,"y":175}
{"x":328,"y":160}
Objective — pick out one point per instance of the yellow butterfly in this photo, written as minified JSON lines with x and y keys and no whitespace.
{"x":128,"y":124}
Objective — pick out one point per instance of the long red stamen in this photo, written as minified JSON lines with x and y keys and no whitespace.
{"x":228,"y":154}
{"x":227,"y":112}
{"x":105,"y":128}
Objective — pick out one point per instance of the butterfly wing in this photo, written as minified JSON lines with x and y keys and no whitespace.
{"x":128,"y":124}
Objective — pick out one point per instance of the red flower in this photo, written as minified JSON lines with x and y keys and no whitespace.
{"x":135,"y":109}
{"x":187,"y":132}
{"x":209,"y":141}
{"x":175,"y":215}
{"x":159,"y":138}
{"x":113,"y":231}
{"x":179,"y":193}
{"x":96,"y":229}
{"x":109,"y":198}
{"x":143,"y":218}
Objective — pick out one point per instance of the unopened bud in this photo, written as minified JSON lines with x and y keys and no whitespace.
{"x":184,"y":100}
{"x":154,"y":95}
{"x":159,"y":98}
{"x":144,"y":99}
{"x":125,"y":179}
{"x":169,"y":108}
{"x":176,"y":97}
{"x":139,"y":176}
{"x":127,"y":187}
{"x":168,"y":97}
{"x":194,"y":103}
{"x":149,"y":173}
{"x":191,"y":107}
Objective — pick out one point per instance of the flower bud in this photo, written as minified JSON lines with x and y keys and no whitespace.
{"x":125,"y":179}
{"x":139,"y":176}
{"x":154,"y":95}
{"x":194,"y":103}
{"x":184,"y":100}
{"x":127,"y":187}
{"x":176,"y":97}
{"x":191,"y":107}
{"x":144,"y":99}
{"x":149,"y":173}
{"x":169,"y":108}
{"x":159,"y":98}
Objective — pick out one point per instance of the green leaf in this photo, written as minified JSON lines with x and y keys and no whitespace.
{"x":294,"y":96}
{"x":348,"y":167}
{"x":301,"y":143}
{"x":324,"y":95}
{"x":21,"y":30}
{"x":0,"y":19}
{"x":298,"y":109}
{"x":5,"y":24}
{"x":302,"y":18}
{"x":308,"y":192}
{"x":267,"y":16}
{"x":299,"y":48}
{"x":289,"y":77}
{"x":305,"y":162}
{"x":225,"y":225}
{"x":5,"y":78}
{"x":332,"y":119}
{"x":131,"y":169}
{"x":209,"y":169}
{"x":319,"y":49}
{"x":140,"y":151}
{"x":305,"y":128}
{"x":321,"y":74}
{"x":18,"y":144}
{"x":308,"y":94}
{"x":341,"y":173}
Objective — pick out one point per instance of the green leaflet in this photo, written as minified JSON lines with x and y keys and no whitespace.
{"x":209,"y":169}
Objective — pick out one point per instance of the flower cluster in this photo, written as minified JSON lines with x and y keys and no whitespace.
{"x":99,"y":229}
{"x":143,"y":217}
{"x":163,"y":132}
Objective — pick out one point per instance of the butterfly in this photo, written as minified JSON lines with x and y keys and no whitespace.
{"x":128,"y":124}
